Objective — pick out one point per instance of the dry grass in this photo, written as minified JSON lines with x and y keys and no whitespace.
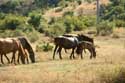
{"x":109,"y":62}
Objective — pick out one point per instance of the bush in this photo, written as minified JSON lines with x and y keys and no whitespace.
{"x":44,"y":47}
{"x":11,"y":33}
{"x":47,"y":47}
{"x":68,"y":22}
{"x":12,"y":22}
{"x":70,"y":13}
{"x":105,"y":28}
{"x":55,"y":30}
{"x":120,"y":23}
{"x":34,"y":20}
{"x":33,"y":36}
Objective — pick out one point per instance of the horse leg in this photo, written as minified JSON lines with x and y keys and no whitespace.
{"x":82,"y":54}
{"x":18,"y":58}
{"x":55,"y":51}
{"x":60,"y":49}
{"x":91,"y":53}
{"x":7,"y":58}
{"x":72,"y":53}
{"x":94,"y":53}
{"x":84,"y":50}
{"x":13,"y":58}
{"x":26,"y":56}
{"x":65,"y":50}
{"x":2,"y":59}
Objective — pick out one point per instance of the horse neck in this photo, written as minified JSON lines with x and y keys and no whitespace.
{"x":30,"y":51}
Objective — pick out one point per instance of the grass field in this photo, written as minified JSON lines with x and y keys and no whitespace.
{"x":109,"y":62}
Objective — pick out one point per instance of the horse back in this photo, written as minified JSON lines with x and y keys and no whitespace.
{"x":65,"y":42}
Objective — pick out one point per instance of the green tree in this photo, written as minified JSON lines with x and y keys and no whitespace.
{"x":34,"y":20}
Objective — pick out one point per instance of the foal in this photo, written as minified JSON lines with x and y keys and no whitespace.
{"x":86,"y":45}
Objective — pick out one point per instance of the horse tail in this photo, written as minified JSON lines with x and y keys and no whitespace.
{"x":28,"y":47}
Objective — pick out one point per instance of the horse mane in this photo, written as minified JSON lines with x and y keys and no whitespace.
{"x":26,"y":44}
{"x":87,"y":38}
{"x":21,"y":50}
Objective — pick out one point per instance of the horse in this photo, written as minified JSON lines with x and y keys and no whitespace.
{"x":66,"y":43}
{"x":9,"y":45}
{"x":86,"y":45}
{"x":80,"y":37}
{"x":26,"y":45}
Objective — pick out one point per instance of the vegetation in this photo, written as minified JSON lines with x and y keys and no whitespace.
{"x":44,"y":47}
{"x":30,"y":18}
{"x":114,"y":12}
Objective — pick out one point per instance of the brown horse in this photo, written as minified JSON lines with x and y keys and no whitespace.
{"x":86,"y":45}
{"x":9,"y":45}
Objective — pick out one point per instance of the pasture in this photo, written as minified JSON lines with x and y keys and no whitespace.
{"x":109,"y":62}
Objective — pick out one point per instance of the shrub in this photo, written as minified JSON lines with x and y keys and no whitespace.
{"x":12,"y":22}
{"x":120,"y":23}
{"x":42,"y":28}
{"x":47,"y":47}
{"x":55,"y":29}
{"x":44,"y":47}
{"x":33,"y":36}
{"x":34,"y":20}
{"x":11,"y":33}
{"x":105,"y":28}
{"x":70,"y":13}
{"x":68,"y":22}
{"x":79,"y":25}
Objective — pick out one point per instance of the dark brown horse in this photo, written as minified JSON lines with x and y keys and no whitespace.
{"x":86,"y":45}
{"x":26,"y":45}
{"x":65,"y":37}
{"x":9,"y":45}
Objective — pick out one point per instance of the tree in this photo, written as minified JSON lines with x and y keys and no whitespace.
{"x":34,"y":20}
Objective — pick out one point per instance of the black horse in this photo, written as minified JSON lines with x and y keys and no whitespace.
{"x":26,"y":45}
{"x":68,"y":42}
{"x":81,"y":38}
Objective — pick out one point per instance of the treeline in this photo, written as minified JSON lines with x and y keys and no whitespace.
{"x":26,"y":16}
{"x":112,"y":15}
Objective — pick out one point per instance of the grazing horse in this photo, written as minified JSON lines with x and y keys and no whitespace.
{"x":80,"y":37}
{"x":9,"y":45}
{"x":66,"y":43}
{"x":26,"y":45}
{"x":86,"y":45}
